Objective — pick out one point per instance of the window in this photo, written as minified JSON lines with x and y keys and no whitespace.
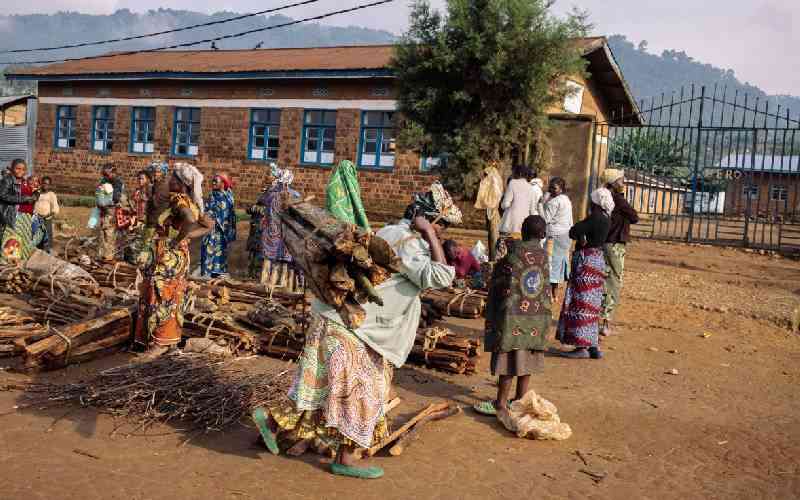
{"x":143,"y":124}
{"x":65,"y":127}
{"x":573,"y":101}
{"x":377,"y":139}
{"x":750,"y":191}
{"x":265,"y":126}
{"x":429,"y":164}
{"x":779,"y":193}
{"x":319,"y":137}
{"x":186,"y":134}
{"x":102,"y":128}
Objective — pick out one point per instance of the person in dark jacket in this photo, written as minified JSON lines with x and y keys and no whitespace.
{"x":614,"y":249}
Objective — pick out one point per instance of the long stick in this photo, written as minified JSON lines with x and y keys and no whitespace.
{"x":404,"y":441}
{"x":432,"y":408}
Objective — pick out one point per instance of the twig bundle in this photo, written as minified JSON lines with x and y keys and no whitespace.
{"x":342,"y":264}
{"x":203,"y":392}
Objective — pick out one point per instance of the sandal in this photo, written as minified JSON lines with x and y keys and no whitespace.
{"x":260,"y":418}
{"x":487,"y":407}
{"x":357,"y":472}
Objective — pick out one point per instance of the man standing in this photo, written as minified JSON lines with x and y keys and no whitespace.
{"x":614,"y":249}
{"x":47,"y":208}
{"x":107,"y":229}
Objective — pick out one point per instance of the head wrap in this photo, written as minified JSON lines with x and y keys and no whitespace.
{"x":436,"y":204}
{"x":538,"y":182}
{"x":603,"y":198}
{"x":612,"y":175}
{"x":281,"y":175}
{"x":193,"y":179}
{"x":227,"y":182}
{"x":159,"y":166}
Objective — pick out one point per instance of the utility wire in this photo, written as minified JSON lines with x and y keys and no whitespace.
{"x":207,"y":40}
{"x":158,"y":33}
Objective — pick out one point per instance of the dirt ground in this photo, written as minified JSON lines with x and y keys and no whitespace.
{"x":726,"y":426}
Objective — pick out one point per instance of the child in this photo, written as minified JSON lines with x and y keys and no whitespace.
{"x":518,"y":317}
{"x":256,"y":260}
{"x":467,"y":266}
{"x":47,"y":208}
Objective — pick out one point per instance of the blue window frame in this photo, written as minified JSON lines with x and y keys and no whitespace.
{"x":102,"y":129}
{"x":377,"y":145}
{"x":186,"y":132}
{"x":319,"y":137}
{"x":264,"y":142}
{"x":65,"y":127}
{"x":143,"y":125}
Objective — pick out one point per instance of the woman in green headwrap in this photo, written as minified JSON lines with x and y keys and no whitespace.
{"x":343,"y":195}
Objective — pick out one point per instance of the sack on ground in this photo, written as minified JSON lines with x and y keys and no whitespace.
{"x":534,"y":417}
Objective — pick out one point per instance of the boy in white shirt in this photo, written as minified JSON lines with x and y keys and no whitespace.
{"x":47,"y":208}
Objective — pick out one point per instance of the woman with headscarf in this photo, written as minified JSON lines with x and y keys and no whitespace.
{"x":278,"y":271}
{"x":220,"y":206}
{"x":164,"y":260}
{"x":557,"y":213}
{"x":579,"y":322}
{"x":519,"y":202}
{"x":343,"y":377}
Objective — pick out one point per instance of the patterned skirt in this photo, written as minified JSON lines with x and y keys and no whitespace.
{"x":579,"y":322}
{"x":20,"y":241}
{"x":214,"y":254}
{"x":339,"y":390}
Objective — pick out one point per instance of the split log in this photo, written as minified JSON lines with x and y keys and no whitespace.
{"x":91,"y":351}
{"x":405,"y":441}
{"x":432,"y":408}
{"x":469,"y":304}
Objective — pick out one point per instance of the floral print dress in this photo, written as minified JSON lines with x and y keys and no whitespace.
{"x":214,"y":248}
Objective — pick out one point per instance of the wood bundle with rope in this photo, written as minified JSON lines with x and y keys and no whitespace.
{"x":17,"y":330}
{"x":342,"y":264}
{"x":457,"y":302}
{"x":441,"y":349}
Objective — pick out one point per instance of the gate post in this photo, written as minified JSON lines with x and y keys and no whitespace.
{"x":696,"y":169}
{"x":748,"y":203}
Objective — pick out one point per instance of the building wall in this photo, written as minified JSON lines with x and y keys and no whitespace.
{"x":13,"y":115}
{"x":225,"y":129}
{"x":761,"y":202}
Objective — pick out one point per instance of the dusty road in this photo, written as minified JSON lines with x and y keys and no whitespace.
{"x":726,"y":426}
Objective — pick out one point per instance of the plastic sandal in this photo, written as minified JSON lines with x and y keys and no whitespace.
{"x":260,"y":418}
{"x":485,"y":408}
{"x":357,"y":472}
{"x":576,"y":354}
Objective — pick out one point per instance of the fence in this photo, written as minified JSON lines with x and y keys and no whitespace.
{"x":709,"y":166}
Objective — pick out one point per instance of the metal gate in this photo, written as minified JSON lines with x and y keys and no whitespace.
{"x":709,"y":166}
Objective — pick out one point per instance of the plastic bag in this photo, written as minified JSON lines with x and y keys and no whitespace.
{"x":479,"y":252}
{"x":94,"y":218}
{"x":534,"y":417}
{"x":45,"y":264}
{"x":490,"y":190}
{"x":104,"y":195}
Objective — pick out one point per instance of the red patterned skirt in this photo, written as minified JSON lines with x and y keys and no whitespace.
{"x":579,"y":321}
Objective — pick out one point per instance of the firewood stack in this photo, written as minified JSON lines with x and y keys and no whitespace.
{"x":15,"y":280}
{"x":342,"y":263}
{"x":281,"y":330}
{"x":441,"y":349}
{"x":80,"y":342}
{"x":119,"y":275}
{"x":17,"y":330}
{"x":457,"y":302}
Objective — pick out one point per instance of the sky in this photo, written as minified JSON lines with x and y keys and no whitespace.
{"x":753,"y":37}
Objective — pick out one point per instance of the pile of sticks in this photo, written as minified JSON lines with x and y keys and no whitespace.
{"x":441,"y":349}
{"x":17,"y":330}
{"x":342,"y":264}
{"x":15,"y":280}
{"x":409,"y":432}
{"x":204,"y":393}
{"x":457,"y":302}
{"x":118,"y":276}
{"x":61,"y":310}
{"x":79,"y":342}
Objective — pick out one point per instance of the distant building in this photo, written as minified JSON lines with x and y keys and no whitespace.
{"x":653,"y":194}
{"x":762,"y":185}
{"x":302,"y":108}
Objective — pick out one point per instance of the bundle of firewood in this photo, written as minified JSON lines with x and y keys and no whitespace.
{"x":119,"y":275}
{"x":17,"y":330}
{"x":441,"y":349}
{"x":429,"y":315}
{"x":14,"y":279}
{"x":80,"y":342}
{"x":342,"y":263}
{"x":60,"y":310}
{"x":222,"y":328}
{"x":457,"y":302}
{"x":280,"y":329}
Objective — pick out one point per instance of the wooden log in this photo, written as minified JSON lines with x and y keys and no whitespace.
{"x":432,"y":408}
{"x":91,"y":351}
{"x":405,"y":441}
{"x":78,"y":333}
{"x":116,"y":328}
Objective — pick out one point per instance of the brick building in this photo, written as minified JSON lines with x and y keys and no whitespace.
{"x":762,"y":185}
{"x":236,"y":111}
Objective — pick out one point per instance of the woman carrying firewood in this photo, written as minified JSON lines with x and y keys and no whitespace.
{"x":343,"y":375}
{"x":278,"y":271}
{"x":164,"y":261}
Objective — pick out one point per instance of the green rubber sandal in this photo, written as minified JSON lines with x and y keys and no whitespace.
{"x":260,"y":418}
{"x":485,"y":408}
{"x":357,"y":472}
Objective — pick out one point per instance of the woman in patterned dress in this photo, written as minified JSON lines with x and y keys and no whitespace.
{"x":579,"y":322}
{"x":220,"y":206}
{"x":279,"y":270}
{"x":19,"y":230}
{"x":343,"y":376}
{"x":164,"y":261}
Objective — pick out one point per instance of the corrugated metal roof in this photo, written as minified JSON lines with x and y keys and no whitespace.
{"x":762,"y":163}
{"x":12,"y":99}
